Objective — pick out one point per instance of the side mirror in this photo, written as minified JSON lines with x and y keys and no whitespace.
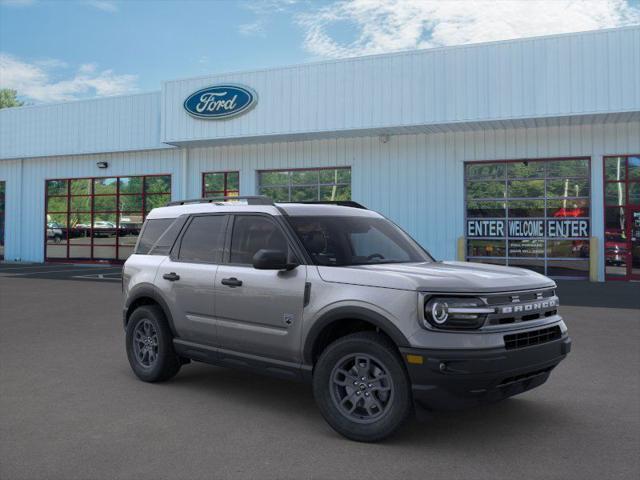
{"x":272,"y":260}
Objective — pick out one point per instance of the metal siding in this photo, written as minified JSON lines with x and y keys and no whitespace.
{"x":557,"y":76}
{"x":89,"y":126}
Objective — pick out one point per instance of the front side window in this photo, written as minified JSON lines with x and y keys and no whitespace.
{"x":346,"y":241}
{"x":328,"y":184}
{"x":252,"y":233}
{"x":203,"y":241}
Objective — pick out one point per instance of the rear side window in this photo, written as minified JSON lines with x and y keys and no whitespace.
{"x":203,"y":241}
{"x":151,"y":232}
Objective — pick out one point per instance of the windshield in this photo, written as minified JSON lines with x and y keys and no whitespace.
{"x":345,"y":241}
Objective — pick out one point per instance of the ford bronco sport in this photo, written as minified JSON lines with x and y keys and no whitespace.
{"x":337,"y":295}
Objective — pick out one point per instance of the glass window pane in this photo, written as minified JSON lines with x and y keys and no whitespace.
{"x":159,"y":184}
{"x":105,"y":203}
{"x":105,"y":185}
{"x":233,"y":181}
{"x":80,"y":252}
{"x":274,"y":178}
{"x":568,"y":168}
{"x":57,"y":204}
{"x":615,"y":168}
{"x":204,"y":239}
{"x":152,"y":231}
{"x":525,"y":169}
{"x":335,"y":175}
{"x":104,"y":220}
{"x":490,"y":261}
{"x":130,"y":203}
{"x":155,"y":201}
{"x":476,"y":209}
{"x":80,"y":186}
{"x":124,"y":252}
{"x":614,"y":193}
{"x":485,"y":171}
{"x":214,"y":182}
{"x":129,"y":226}
{"x":486,"y":248}
{"x":57,"y":187}
{"x":568,"y":268}
{"x":131,"y":184}
{"x":277,"y":194}
{"x":526,"y":248}
{"x":253,"y":233}
{"x":568,"y":248}
{"x":568,"y":188}
{"x":59,"y":219}
{"x":102,"y":252}
{"x":634,"y":193}
{"x":614,"y":220}
{"x":526,"y":208}
{"x":56,"y":250}
{"x":335,"y":193}
{"x":80,"y":204}
{"x":56,"y":233}
{"x":633,"y":168}
{"x":304,"y":194}
{"x":526,"y":188}
{"x":489,"y":189}
{"x":305,"y":177}
{"x":567,"y":208}
{"x":528,"y":263}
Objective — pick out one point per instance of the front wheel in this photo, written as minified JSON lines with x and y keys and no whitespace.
{"x":150,"y":345}
{"x":361,"y":387}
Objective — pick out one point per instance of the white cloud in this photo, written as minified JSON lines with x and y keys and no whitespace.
{"x":36,"y":81}
{"x":104,"y":5}
{"x":390,"y":25}
{"x":252,"y":29}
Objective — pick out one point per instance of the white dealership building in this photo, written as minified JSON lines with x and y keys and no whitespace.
{"x":522,"y":152}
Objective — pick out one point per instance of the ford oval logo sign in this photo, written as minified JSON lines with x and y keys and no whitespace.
{"x":220,"y":101}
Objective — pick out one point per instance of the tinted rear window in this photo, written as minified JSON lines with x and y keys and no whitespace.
{"x":203,"y":240}
{"x":151,"y":232}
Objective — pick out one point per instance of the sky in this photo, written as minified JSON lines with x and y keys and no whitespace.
{"x":59,"y":50}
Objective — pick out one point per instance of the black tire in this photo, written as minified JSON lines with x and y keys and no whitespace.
{"x":159,"y":361}
{"x":336,"y":393}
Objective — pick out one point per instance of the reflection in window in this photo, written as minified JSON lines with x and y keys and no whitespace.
{"x":221,"y":184}
{"x":330,"y":184}
{"x":2,"y":210}
{"x":524,"y":194}
{"x":100,"y":218}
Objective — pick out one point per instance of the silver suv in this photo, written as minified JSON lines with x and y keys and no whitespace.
{"x":339,"y":296}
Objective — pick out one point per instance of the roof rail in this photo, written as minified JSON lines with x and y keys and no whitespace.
{"x":251,"y":200}
{"x":341,"y":203}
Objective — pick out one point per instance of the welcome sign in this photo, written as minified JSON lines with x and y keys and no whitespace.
{"x":528,"y":228}
{"x":220,"y":101}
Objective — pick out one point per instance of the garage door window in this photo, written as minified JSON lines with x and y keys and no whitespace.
{"x":531,"y":213}
{"x":99,"y":218}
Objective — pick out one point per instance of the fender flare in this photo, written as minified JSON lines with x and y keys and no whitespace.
{"x":148,"y":290}
{"x":351,"y":312}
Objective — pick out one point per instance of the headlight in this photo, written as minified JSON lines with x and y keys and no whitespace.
{"x":456,"y":313}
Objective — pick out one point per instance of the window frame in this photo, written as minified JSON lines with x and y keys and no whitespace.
{"x":225,"y":193}
{"x":506,"y":178}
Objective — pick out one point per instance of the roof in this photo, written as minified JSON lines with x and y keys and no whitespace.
{"x":278,"y":209}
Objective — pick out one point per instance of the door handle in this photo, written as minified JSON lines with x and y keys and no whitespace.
{"x":231,"y":282}
{"x":172,"y":277}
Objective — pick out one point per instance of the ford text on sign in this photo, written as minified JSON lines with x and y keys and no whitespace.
{"x":220,"y":101}
{"x":534,"y":228}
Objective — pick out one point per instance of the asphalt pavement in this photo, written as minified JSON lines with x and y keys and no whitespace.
{"x":70,"y":408}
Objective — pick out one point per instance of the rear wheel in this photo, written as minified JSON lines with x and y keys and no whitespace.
{"x":361,"y":387}
{"x":150,"y":345}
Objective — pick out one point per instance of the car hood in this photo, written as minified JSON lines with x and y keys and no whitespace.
{"x":438,"y":277}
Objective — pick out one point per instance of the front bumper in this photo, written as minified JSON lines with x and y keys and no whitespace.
{"x":458,"y":378}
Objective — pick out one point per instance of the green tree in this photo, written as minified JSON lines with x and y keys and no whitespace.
{"x":8,"y":98}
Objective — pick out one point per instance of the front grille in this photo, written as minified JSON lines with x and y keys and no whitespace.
{"x":524,"y":299}
{"x":534,"y":337}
